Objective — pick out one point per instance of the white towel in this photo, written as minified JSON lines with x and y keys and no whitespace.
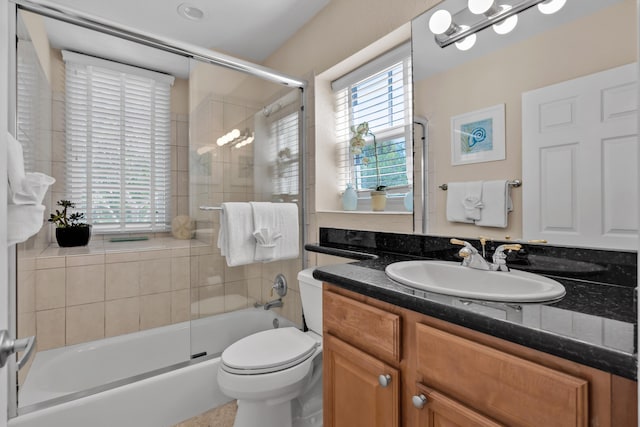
{"x":23,"y":221}
{"x":24,"y":188}
{"x":286,"y":219}
{"x":235,"y":238}
{"x":464,"y":201}
{"x":266,"y":230}
{"x":33,"y":189}
{"x":15,"y":166}
{"x":497,"y":204}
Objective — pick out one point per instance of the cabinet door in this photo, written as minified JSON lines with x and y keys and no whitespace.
{"x":510,"y":389}
{"x":353,"y":394}
{"x":441,"y":411}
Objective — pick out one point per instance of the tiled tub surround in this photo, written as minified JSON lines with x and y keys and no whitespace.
{"x":68,"y":296}
{"x":594,"y":324}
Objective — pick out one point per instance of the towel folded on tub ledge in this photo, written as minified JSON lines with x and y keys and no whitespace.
{"x":258,"y":232}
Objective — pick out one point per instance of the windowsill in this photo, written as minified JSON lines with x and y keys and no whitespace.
{"x":365,"y":212}
{"x":105,"y":247}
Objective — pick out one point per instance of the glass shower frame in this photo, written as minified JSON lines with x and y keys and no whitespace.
{"x":184,"y":49}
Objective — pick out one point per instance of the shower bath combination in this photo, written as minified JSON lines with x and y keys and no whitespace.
{"x":111,"y":307}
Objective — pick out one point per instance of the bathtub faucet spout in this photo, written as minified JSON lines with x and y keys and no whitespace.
{"x":273,"y":304}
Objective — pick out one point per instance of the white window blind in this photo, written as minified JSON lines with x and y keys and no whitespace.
{"x":118,"y":130}
{"x":33,"y":114}
{"x":285,"y":137}
{"x":378,"y":93}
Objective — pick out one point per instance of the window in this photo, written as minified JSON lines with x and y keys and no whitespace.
{"x":285,"y":136}
{"x":378,"y":93}
{"x":118,"y":128}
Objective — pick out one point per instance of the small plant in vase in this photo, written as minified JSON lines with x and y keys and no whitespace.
{"x":69,"y":230}
{"x":379,"y":193}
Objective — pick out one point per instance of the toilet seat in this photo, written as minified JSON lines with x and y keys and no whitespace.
{"x":268,"y":351}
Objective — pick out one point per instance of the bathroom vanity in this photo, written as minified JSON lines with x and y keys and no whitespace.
{"x":398,"y":357}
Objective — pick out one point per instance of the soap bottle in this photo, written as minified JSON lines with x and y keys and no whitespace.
{"x":350,"y":198}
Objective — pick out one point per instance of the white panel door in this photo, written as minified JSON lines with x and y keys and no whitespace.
{"x":580,"y":161}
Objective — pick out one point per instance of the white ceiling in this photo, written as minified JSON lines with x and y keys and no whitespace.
{"x":246,"y":29}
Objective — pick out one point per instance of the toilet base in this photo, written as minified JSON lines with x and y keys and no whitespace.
{"x":258,"y":413}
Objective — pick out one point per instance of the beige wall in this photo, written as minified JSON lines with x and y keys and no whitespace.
{"x":342,"y":29}
{"x":38,"y":35}
{"x":576,"y":49}
{"x":347,"y":28}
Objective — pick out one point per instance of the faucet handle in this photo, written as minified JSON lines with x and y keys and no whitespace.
{"x":455,"y":241}
{"x":510,"y":247}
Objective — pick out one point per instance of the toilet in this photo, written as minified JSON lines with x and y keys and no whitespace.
{"x":276,"y":375}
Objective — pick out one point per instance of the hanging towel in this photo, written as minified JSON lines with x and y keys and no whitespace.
{"x":33,"y":189}
{"x":266,"y":230}
{"x":24,"y":188}
{"x":15,"y":166}
{"x":497,"y":204}
{"x":23,"y":221}
{"x":286,"y":219}
{"x":464,"y":201}
{"x":235,"y":238}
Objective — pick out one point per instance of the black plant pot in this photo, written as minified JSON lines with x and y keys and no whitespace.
{"x":73,"y":236}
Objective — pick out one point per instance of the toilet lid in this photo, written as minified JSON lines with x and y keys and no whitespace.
{"x":268,"y":351}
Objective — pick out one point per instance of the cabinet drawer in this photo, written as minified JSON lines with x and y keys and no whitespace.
{"x":511,"y":390}
{"x":369,"y":328}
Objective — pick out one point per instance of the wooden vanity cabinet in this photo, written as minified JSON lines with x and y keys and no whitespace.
{"x":467,"y":379}
{"x":361,"y":356}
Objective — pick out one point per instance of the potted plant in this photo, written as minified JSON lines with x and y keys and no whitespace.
{"x":69,"y":230}
{"x":379,"y":193}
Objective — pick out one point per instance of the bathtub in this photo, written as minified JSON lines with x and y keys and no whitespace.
{"x":146,"y":378}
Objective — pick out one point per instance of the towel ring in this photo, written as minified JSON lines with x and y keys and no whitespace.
{"x":515,"y":183}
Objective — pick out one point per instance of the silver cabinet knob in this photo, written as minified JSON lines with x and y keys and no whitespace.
{"x":384,"y":380}
{"x":419,"y":401}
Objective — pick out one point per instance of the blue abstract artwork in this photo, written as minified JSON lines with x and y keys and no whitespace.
{"x":476,"y":136}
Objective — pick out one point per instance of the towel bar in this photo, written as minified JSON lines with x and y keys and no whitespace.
{"x":210,"y":208}
{"x":514,"y":183}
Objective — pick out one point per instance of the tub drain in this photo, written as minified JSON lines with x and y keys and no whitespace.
{"x":276,"y":323}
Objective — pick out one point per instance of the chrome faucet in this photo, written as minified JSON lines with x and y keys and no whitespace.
{"x":473,"y":259}
{"x":272,"y":304}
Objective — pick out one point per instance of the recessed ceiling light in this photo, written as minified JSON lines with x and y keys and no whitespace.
{"x":191,"y":12}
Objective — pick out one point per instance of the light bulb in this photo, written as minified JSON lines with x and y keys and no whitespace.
{"x":440,"y":22}
{"x":468,"y":42}
{"x":506,"y":26}
{"x":479,"y":7}
{"x":551,"y":6}
{"x":234,"y":134}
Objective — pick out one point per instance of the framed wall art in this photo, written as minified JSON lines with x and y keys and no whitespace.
{"x":478,"y":136}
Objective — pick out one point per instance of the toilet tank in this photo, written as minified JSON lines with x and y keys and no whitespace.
{"x":311,"y":295}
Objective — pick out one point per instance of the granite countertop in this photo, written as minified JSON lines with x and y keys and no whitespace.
{"x":594,"y":324}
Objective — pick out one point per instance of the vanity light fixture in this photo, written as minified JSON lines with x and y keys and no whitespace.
{"x":246,"y":139}
{"x":467,"y":42}
{"x":502,"y":16}
{"x":551,"y":6}
{"x":228,"y":137}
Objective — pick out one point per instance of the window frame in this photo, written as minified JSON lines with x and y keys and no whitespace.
{"x":342,"y":89}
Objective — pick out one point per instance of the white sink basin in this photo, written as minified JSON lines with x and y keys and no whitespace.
{"x":451,"y":278}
